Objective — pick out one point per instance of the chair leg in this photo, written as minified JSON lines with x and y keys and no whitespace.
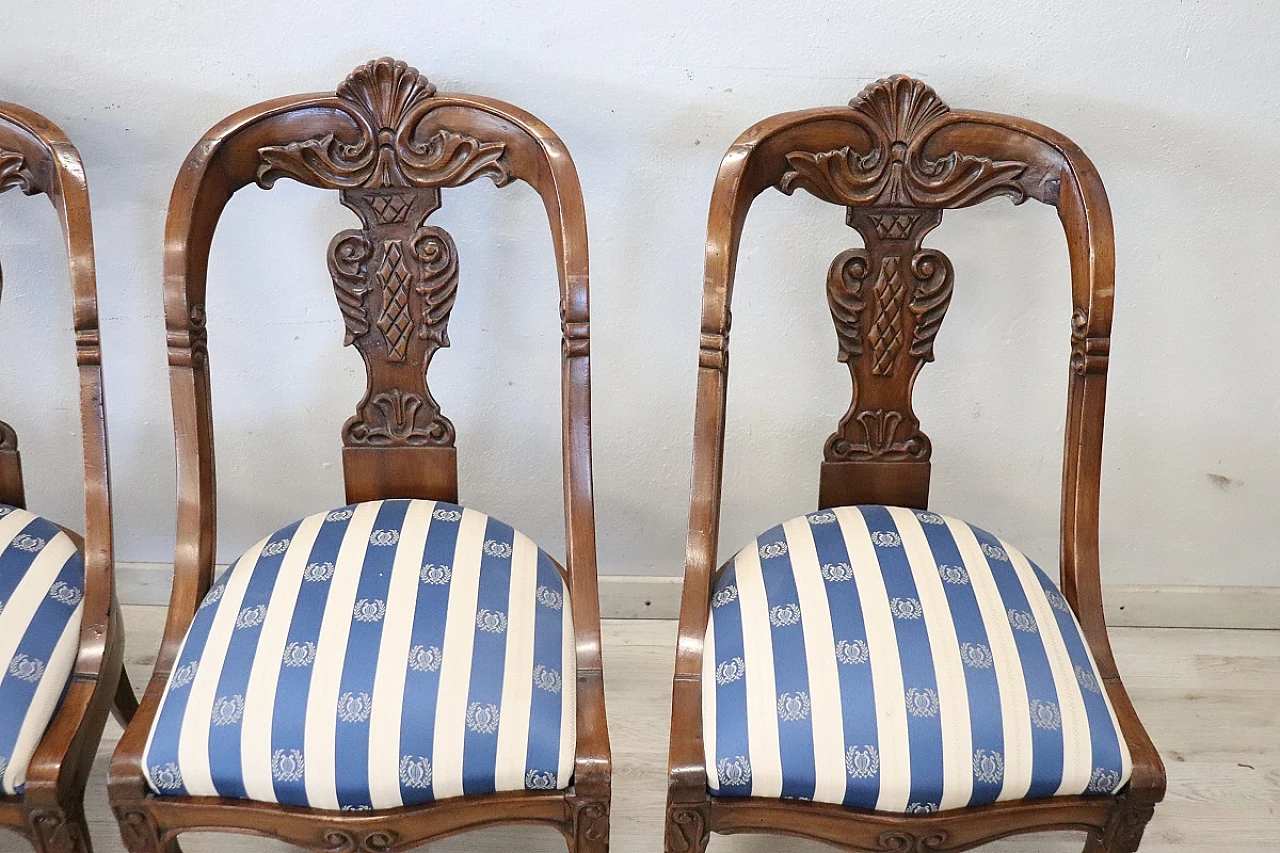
{"x":1124,"y":832}
{"x":687,"y":829}
{"x":59,"y":831}
{"x":590,"y":828}
{"x":126,"y":701}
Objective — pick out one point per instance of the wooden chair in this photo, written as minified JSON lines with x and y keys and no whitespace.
{"x":397,"y":739}
{"x":923,"y":683}
{"x":60,"y":627}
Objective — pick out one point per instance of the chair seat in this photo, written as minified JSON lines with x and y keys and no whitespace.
{"x":41,"y":594}
{"x":383,"y":654}
{"x":903,"y":661}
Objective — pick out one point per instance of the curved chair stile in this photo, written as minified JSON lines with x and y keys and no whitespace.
{"x":386,"y":138}
{"x":37,"y":158}
{"x":898,"y":150}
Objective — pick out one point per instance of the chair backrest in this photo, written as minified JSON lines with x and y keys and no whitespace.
{"x":37,"y":158}
{"x":388,"y":142}
{"x":896,"y":158}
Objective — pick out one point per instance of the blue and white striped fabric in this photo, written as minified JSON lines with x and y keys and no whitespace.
{"x":383,"y":654}
{"x":902,"y":661}
{"x":41,"y":595}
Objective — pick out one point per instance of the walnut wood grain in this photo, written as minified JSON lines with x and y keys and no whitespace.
{"x":37,"y":158}
{"x":896,"y":158}
{"x":388,"y":142}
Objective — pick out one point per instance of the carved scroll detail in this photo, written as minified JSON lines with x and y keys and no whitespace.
{"x":348,"y":253}
{"x":910,"y":842}
{"x":845,"y":283}
{"x":591,"y":823}
{"x":688,"y":830}
{"x":899,"y":114}
{"x":887,"y":302}
{"x":14,"y":172}
{"x":388,"y":100}
{"x":932,"y":298}
{"x":1126,"y":833}
{"x":138,"y":830}
{"x":1124,"y":829}
{"x":57,"y":830}
{"x":337,"y":840}
{"x":437,"y":284}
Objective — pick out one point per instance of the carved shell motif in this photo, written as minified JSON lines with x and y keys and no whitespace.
{"x":387,"y":99}
{"x":898,"y":114}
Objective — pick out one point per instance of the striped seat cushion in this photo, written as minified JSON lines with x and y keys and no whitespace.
{"x":902,"y":661}
{"x":41,"y":593}
{"x":383,"y":654}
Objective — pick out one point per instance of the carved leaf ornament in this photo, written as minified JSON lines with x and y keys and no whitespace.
{"x":896,"y":113}
{"x":387,"y":99}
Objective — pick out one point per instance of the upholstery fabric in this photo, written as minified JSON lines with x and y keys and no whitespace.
{"x":383,"y":654}
{"x":41,"y":602}
{"x":903,"y":661}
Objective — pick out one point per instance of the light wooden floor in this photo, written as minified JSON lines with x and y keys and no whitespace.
{"x":1210,"y":698}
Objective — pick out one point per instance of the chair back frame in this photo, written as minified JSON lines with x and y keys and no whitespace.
{"x":896,"y":158}
{"x":37,"y":158}
{"x":388,"y":142}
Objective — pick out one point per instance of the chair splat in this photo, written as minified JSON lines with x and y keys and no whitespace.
{"x":396,"y":277}
{"x":888,"y":299}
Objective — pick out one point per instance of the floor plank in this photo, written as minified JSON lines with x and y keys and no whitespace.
{"x":1210,"y":698}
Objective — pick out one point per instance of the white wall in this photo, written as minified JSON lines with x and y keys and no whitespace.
{"x":1175,"y":102}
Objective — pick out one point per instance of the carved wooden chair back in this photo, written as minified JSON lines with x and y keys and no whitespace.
{"x":38,"y":159}
{"x":896,"y":158}
{"x":388,"y":142}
